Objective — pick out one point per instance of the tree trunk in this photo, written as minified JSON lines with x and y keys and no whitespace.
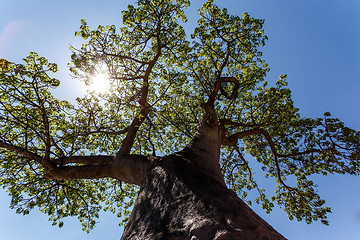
{"x":178,"y":200}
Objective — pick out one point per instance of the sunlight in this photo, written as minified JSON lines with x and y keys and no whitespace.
{"x":99,"y":82}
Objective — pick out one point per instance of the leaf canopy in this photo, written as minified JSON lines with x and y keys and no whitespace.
{"x":160,"y":77}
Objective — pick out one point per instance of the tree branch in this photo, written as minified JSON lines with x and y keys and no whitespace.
{"x":130,"y":168}
{"x":109,"y":132}
{"x":276,"y":156}
{"x":128,"y":141}
{"x":46,"y":164}
{"x":125,"y":57}
{"x":218,"y":88}
{"x":92,"y":160}
{"x":44,"y":118}
{"x":80,"y":172}
{"x":232,"y":140}
{"x":239,"y":124}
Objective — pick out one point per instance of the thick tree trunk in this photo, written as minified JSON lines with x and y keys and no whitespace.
{"x":184,"y":196}
{"x":180,"y":201}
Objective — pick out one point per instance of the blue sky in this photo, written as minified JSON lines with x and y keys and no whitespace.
{"x":315,"y":42}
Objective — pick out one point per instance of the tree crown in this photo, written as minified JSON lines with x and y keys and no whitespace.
{"x":161,"y":82}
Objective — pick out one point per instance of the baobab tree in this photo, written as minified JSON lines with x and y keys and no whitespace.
{"x":171,"y":137}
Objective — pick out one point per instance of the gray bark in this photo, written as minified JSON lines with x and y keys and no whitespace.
{"x":179,"y":201}
{"x":184,"y":196}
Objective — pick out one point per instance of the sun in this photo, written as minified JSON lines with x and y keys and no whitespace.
{"x":100,"y":82}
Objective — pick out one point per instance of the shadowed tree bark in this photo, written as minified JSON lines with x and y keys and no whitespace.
{"x":184,"y":196}
{"x":177,"y":200}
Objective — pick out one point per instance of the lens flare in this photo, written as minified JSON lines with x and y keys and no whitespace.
{"x":99,"y":82}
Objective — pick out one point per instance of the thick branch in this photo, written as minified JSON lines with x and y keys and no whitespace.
{"x":80,"y":172}
{"x":84,"y":160}
{"x":226,"y":59}
{"x":128,"y":142}
{"x":46,"y":164}
{"x":232,"y":140}
{"x":218,"y":88}
{"x":130,"y":168}
{"x":204,"y":148}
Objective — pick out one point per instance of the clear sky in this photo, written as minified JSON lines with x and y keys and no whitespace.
{"x":315,"y":42}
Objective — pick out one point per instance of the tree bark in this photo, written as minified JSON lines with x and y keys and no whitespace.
{"x":129,"y":168}
{"x":178,"y":201}
{"x":183,"y":196}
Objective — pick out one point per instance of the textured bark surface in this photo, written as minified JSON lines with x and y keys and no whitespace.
{"x":179,"y":201}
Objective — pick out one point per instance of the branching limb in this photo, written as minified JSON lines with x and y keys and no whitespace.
{"x":46,"y":164}
{"x":92,"y":160}
{"x":45,"y":117}
{"x":80,"y":172}
{"x":232,"y":140}
{"x":128,"y":142}
{"x":218,"y":88}
{"x":130,"y":168}
{"x":100,"y":130}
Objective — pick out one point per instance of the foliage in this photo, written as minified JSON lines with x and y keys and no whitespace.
{"x":160,"y":77}
{"x":32,"y":119}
